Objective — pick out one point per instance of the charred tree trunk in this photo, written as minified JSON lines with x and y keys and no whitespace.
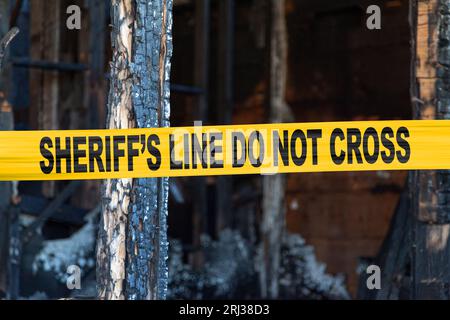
{"x":45,"y":44}
{"x":132,"y":244}
{"x":273,"y":221}
{"x":430,"y":190}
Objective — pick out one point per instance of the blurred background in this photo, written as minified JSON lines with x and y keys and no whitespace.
{"x":227,"y":65}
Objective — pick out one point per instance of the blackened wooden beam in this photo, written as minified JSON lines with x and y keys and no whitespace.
{"x":6,"y":188}
{"x":201,"y":78}
{"x":49,"y":65}
{"x":201,"y":59}
{"x":393,"y":257}
{"x":92,"y":55}
{"x":51,"y":208}
{"x":225,"y":94}
{"x":6,"y":123}
{"x":5,"y":41}
{"x":430,"y":190}
{"x":14,"y":253}
{"x":273,"y":209}
{"x":66,"y":214}
{"x":190,"y":90}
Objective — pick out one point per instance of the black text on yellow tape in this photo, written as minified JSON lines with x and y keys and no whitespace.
{"x":224,"y":150}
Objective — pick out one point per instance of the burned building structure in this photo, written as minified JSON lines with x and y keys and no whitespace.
{"x":233,"y":62}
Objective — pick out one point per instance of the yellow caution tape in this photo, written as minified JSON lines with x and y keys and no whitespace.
{"x":225,"y":150}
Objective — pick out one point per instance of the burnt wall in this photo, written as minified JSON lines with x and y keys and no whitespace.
{"x":338,"y":71}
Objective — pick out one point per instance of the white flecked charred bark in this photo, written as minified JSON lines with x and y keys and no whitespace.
{"x":111,"y":248}
{"x":132,"y":244}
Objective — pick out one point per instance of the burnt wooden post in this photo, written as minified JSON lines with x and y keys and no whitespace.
{"x":132,"y":245}
{"x":6,"y":188}
{"x":273,"y":221}
{"x":45,"y":44}
{"x":430,"y":190}
{"x":201,"y":77}
{"x":225,"y":105}
{"x":6,"y":123}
